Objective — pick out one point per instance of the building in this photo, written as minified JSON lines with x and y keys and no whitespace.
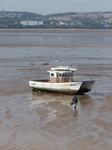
{"x":32,"y":23}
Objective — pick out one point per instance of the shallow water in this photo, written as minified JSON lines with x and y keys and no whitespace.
{"x":46,"y":120}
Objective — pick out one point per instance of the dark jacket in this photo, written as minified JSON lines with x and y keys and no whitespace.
{"x":74,"y":100}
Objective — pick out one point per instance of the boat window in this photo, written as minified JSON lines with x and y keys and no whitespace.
{"x":63,"y":75}
{"x":57,"y":75}
{"x":68,"y":75}
{"x":52,"y":74}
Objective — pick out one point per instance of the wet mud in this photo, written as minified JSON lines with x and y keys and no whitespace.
{"x":31,"y":120}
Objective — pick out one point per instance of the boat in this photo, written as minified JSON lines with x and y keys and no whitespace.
{"x":62,"y":81}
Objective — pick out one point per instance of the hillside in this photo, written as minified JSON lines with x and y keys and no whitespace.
{"x":13,"y":19}
{"x":61,"y":20}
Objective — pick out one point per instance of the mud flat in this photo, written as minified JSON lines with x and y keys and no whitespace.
{"x":30,"y":120}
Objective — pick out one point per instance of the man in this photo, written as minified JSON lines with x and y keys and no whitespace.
{"x":74,"y":101}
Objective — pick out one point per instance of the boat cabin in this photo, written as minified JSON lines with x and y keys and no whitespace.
{"x":60,"y":74}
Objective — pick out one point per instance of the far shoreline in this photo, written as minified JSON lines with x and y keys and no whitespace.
{"x":50,"y":29}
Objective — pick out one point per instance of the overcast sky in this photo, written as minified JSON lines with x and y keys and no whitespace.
{"x":56,"y":6}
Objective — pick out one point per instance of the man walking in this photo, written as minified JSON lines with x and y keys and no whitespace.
{"x":74,"y":101}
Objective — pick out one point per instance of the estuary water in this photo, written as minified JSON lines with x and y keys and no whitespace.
{"x":46,"y":121}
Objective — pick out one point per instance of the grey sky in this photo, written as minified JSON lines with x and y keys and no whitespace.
{"x":55,"y":6}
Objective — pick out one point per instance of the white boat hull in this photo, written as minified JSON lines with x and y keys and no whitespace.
{"x":66,"y":87}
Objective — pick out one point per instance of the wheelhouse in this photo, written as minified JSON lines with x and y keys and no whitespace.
{"x":61,"y":74}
